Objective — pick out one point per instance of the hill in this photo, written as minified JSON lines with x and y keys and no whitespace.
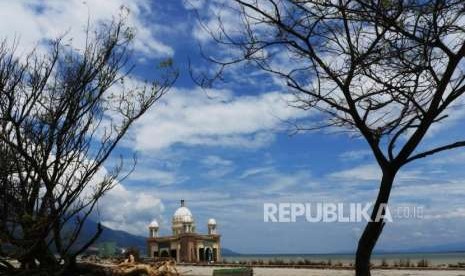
{"x":225,"y":252}
{"x":121,"y":238}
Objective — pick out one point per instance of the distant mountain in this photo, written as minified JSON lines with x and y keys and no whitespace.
{"x":121,"y":238}
{"x":228,"y":253}
{"x":449,"y":247}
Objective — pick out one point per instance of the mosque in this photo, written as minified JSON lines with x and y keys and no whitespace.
{"x":185,"y":245}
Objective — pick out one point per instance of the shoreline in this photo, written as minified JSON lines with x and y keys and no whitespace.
{"x":207,"y":270}
{"x":320,"y":267}
{"x":441,"y":260}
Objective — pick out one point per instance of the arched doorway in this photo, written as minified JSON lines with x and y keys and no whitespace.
{"x":201,"y":254}
{"x":209,"y":254}
{"x":164,"y":254}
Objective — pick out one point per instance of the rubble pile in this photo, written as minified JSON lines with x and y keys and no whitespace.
{"x":167,"y":268}
{"x":130,"y":267}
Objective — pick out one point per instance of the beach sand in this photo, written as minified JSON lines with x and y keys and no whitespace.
{"x":260,"y":271}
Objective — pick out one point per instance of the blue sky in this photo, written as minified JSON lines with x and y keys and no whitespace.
{"x":228,"y":150}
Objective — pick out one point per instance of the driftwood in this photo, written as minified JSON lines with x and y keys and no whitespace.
{"x":158,"y":269}
{"x":130,"y":268}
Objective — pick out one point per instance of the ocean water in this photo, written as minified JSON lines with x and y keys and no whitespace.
{"x":434,"y":259}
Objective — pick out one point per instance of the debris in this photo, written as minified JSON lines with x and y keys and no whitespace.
{"x":167,"y":268}
{"x":130,"y":268}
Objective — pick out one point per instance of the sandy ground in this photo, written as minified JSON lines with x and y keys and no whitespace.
{"x":259,"y":271}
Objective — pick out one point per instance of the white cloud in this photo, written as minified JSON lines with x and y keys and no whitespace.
{"x":210,"y":23}
{"x":214,"y":118}
{"x":35,"y":21}
{"x":129,"y":210}
{"x":213,"y":160}
{"x":361,"y":173}
{"x":124,"y":208}
{"x":371,"y":172}
{"x":283,"y":183}
{"x":152,"y":175}
{"x":354,"y":155}
{"x":256,"y":171}
{"x":217,"y":167}
{"x":449,"y":214}
{"x":448,"y":158}
{"x":193,"y":4}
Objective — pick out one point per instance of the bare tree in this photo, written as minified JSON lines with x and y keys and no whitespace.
{"x":62,"y":113}
{"x":387,"y":71}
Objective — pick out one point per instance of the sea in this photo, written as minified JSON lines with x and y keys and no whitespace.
{"x":434,"y":259}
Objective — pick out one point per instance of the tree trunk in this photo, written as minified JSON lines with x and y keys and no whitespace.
{"x":373,"y":228}
{"x":37,"y":258}
{"x":70,"y":267}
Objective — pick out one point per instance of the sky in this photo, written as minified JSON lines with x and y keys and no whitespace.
{"x":229,"y":149}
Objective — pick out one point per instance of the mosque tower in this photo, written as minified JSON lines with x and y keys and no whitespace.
{"x":153,"y":229}
{"x":211,"y":226}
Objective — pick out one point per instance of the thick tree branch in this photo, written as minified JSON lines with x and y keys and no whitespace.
{"x":435,"y":150}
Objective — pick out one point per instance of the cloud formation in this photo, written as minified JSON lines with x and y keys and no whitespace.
{"x":129,"y":209}
{"x":214,"y":118}
{"x":33,"y":22}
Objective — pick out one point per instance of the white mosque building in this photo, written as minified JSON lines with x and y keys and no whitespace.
{"x":185,"y":245}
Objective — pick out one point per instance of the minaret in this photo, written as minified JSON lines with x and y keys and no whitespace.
{"x":212,"y":227}
{"x":153,"y":229}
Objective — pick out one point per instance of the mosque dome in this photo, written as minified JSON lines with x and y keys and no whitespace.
{"x":187,"y":219}
{"x":153,"y":224}
{"x":212,"y":221}
{"x":183,"y":214}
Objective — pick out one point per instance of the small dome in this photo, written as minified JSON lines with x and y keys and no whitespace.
{"x":153,"y":224}
{"x":212,"y":221}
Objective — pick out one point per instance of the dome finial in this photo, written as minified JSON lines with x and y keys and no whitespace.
{"x":182,"y":203}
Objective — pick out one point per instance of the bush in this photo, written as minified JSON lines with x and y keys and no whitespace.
{"x":384,"y":263}
{"x":423,"y":263}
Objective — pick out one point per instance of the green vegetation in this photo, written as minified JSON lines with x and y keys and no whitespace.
{"x":423,"y":263}
{"x":243,"y":271}
{"x":106,"y":249}
{"x":401,"y":263}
